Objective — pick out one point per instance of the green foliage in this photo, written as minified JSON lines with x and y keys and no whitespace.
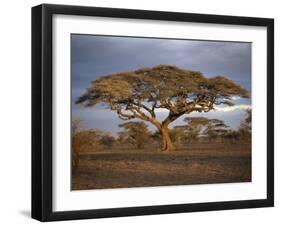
{"x":216,"y":128}
{"x":135,"y":133}
{"x":193,"y":128}
{"x":197,"y":127}
{"x":91,"y":140}
{"x":107,"y":140}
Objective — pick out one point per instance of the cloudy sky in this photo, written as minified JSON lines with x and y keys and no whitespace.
{"x":94,"y":56}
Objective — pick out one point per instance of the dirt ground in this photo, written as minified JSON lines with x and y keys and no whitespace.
{"x":204,"y":164}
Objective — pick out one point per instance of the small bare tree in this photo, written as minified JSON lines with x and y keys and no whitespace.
{"x":76,"y":127}
{"x":245,"y":128}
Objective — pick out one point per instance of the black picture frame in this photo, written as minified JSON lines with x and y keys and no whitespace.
{"x":42,"y":111}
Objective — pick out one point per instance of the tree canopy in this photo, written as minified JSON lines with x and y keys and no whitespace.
{"x":137,"y":94}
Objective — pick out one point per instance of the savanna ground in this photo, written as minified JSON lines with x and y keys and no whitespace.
{"x":197,"y":164}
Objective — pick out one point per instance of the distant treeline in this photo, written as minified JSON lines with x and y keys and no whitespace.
{"x":136,"y":135}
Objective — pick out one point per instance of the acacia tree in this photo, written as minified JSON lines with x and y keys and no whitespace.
{"x":87,"y":140}
{"x":197,"y":126}
{"x":138,"y":94}
{"x":194,"y":127}
{"x":216,"y":128}
{"x":135,"y":133}
{"x":107,"y":140}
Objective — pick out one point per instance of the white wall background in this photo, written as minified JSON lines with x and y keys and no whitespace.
{"x":15,"y":114}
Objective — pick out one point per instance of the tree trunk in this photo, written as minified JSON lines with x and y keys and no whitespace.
{"x":167,"y":144}
{"x":75,"y":159}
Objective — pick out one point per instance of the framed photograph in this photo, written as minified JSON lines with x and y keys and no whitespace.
{"x":145,"y":112}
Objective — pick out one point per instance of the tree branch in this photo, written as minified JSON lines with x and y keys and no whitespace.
{"x":123,"y":115}
{"x":135,"y":113}
{"x":204,"y":105}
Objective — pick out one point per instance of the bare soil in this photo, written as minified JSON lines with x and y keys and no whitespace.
{"x":198,"y":164}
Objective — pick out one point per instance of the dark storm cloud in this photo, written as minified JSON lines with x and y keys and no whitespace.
{"x":95,"y":56}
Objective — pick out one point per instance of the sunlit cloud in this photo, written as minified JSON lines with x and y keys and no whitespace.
{"x":235,"y":98}
{"x":216,"y":108}
{"x":161,"y":110}
{"x":233,"y":108}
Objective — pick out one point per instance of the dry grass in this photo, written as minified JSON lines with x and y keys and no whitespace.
{"x":197,"y":164}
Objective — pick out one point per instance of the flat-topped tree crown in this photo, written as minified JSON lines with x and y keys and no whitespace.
{"x":137,"y":94}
